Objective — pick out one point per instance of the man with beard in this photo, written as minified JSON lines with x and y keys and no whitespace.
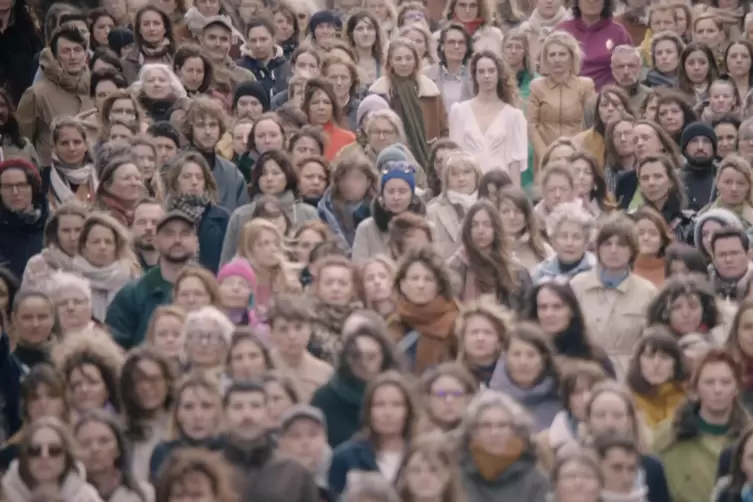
{"x":130,"y":311}
{"x":146,"y":216}
{"x":262,"y":473}
{"x":699,"y":143}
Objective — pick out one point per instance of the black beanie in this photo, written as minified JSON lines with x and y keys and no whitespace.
{"x":252,"y":88}
{"x":695,"y":129}
{"x":119,"y":38}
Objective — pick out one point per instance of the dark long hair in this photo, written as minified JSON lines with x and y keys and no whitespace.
{"x":683,"y":82}
{"x":656,"y":339}
{"x":135,"y":415}
{"x":10,"y":128}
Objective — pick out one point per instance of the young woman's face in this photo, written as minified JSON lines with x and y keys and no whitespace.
{"x":513,"y":219}
{"x":152,"y":27}
{"x":70,"y":146}
{"x":570,"y":242}
{"x":726,"y":135}
{"x":462,"y":178}
{"x":583,"y":176}
{"x":87,"y":389}
{"x":738,"y":60}
{"x":312,"y":180}
{"x":168,"y":336}
{"x":646,"y":141}
{"x":69,"y":230}
{"x":335,"y":285}
{"x":99,"y":446}
{"x":481,"y":341}
{"x":686,"y":314}
{"x":671,"y":118}
{"x":553,"y":314}
{"x":717,"y":388}
{"x":397,"y":195}
{"x":268,"y":136}
{"x":426,"y":477}
{"x":389,"y":411}
{"x":610,"y":108}
{"x":419,"y":285}
{"x":681,"y":21}
{"x":614,"y":254}
{"x":649,"y":237}
{"x":273,"y":180}
{"x":722,"y":97}
{"x":657,"y":367}
{"x":377,"y":282}
{"x":524,"y":363}
{"x":609,"y":414}
{"x":278,"y":401}
{"x":191,"y":74}
{"x":33,"y":321}
{"x":123,"y":109}
{"x":706,"y":31}
{"x":46,"y":456}
{"x":100,"y":247}
{"x":151,"y":385}
{"x":448,"y":400}
{"x":191,"y":294}
{"x":285,"y":27}
{"x":579,"y":397}
{"x":266,"y":248}
{"x":306,"y":241}
{"x":733,"y":187}
{"x":482,"y":230}
{"x":339,"y":75}
{"x":368,"y":360}
{"x":247,"y":361}
{"x":44,"y":403}
{"x":654,"y":182}
{"x":321,"y":109}
{"x":197,"y":413}
{"x":353,"y":185}
{"x":403,"y":62}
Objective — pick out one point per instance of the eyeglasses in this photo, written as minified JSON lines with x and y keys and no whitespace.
{"x":15,"y":187}
{"x":448,"y":394}
{"x":205,"y":336}
{"x":49,"y":450}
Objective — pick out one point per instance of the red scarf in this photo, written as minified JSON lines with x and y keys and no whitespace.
{"x":471,"y":26}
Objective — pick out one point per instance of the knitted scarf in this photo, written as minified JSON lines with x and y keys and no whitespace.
{"x":492,"y":466}
{"x":62,"y":176}
{"x":56,"y":258}
{"x":105,"y":282}
{"x":408,"y":107}
{"x":155,"y":51}
{"x":434,"y":322}
{"x":76,"y":84}
{"x":192,"y":206}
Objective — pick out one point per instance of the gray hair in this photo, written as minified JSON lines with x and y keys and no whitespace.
{"x":626,"y":50}
{"x":215,"y":315}
{"x":569,"y":212}
{"x":371,"y":486}
{"x":522,"y":421}
{"x":175,"y":85}
{"x":66,"y":280}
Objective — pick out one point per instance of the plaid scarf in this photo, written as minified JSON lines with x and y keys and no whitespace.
{"x":192,"y":206}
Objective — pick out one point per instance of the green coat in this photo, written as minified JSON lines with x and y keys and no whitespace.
{"x":130,"y":311}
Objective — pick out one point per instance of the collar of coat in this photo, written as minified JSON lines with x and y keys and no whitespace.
{"x":426,"y":88}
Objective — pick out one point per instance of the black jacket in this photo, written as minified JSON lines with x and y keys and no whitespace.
{"x":273,"y":76}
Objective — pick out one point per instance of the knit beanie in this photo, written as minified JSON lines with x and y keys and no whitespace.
{"x":694,"y":130}
{"x":32,"y":173}
{"x":393,"y":153}
{"x":238,"y":267}
{"x":401,"y":171}
{"x":252,"y":88}
{"x":118,"y":38}
{"x":369,"y":104}
{"x":724,"y":217}
{"x":324,"y":17}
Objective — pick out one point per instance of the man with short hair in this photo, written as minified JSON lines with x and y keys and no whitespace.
{"x":620,"y":463}
{"x":262,"y":472}
{"x":146,"y":216}
{"x":626,"y":67}
{"x":166,"y":140}
{"x":217,"y":40}
{"x":698,"y":144}
{"x":263,"y":57}
{"x":730,"y":267}
{"x":63,"y":89}
{"x":130,"y":311}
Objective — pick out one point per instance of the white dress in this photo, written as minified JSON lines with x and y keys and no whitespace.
{"x":505,"y":141}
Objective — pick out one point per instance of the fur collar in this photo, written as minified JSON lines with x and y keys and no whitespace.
{"x":426,"y":88}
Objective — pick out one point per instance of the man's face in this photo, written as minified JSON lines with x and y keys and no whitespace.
{"x":166,"y":149}
{"x":626,"y":69}
{"x":144,"y":229}
{"x":216,"y":41}
{"x":249,"y":107}
{"x":247,"y":414}
{"x":304,"y":440}
{"x":176,"y":242}
{"x":261,"y":43}
{"x":700,"y":148}
{"x":206,"y":133}
{"x":730,"y":258}
{"x":71,"y":56}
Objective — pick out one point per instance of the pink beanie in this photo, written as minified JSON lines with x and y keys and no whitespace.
{"x":241,"y":267}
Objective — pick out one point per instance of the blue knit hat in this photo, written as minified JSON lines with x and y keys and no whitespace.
{"x":393,"y":153}
{"x":400,"y":171}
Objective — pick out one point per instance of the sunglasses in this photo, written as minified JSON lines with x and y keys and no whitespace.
{"x":51,"y":450}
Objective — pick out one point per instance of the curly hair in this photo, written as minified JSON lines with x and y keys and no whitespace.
{"x":656,"y":339}
{"x":658,"y":311}
{"x":507,"y":85}
{"x":432,"y":260}
{"x":486,"y":307}
{"x":187,"y":462}
{"x":97,"y":355}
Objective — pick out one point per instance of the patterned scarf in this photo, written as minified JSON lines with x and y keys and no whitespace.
{"x":155,"y":51}
{"x":192,"y":206}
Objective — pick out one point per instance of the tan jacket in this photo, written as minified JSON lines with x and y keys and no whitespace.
{"x":9,"y":150}
{"x":56,"y":94}
{"x":615,"y":317}
{"x":369,"y":241}
{"x":556,"y":110}
{"x":432,"y":105}
{"x":447,"y":225}
{"x":309,"y":376}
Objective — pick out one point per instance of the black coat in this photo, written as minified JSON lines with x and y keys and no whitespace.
{"x":18,"y":45}
{"x":211,"y":233}
{"x":19,"y":239}
{"x":273,"y":76}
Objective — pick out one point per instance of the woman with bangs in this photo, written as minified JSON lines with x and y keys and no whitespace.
{"x":365,"y":34}
{"x":446,"y":391}
{"x":697,"y":70}
{"x":429,"y":472}
{"x":590,"y":186}
{"x":734,"y":186}
{"x":657,"y":376}
{"x":195,"y":474}
{"x":321,"y":106}
{"x":483,"y":329}
{"x":484,"y":263}
{"x":653,"y":239}
{"x":347,"y":200}
{"x":522,"y":229}
{"x":460,"y":179}
{"x":43,"y":394}
{"x":674,"y":113}
{"x":195,"y":423}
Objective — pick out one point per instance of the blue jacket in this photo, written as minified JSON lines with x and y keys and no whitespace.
{"x":355,"y":454}
{"x":211,"y":233}
{"x":326,"y":211}
{"x":19,"y":239}
{"x":550,"y":268}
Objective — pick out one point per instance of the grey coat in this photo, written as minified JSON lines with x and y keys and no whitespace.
{"x":231,"y":184}
{"x":437,"y":74}
{"x":522,"y":481}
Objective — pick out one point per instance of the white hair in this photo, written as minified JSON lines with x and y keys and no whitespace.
{"x":62,"y":281}
{"x":175,"y":84}
{"x":521,"y":420}
{"x":215,"y":315}
{"x":569,"y":212}
{"x":626,"y":50}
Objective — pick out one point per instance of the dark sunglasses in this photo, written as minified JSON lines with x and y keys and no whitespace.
{"x":52,"y":451}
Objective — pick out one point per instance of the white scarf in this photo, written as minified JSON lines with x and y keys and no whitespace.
{"x":545,"y":26}
{"x":463,"y":200}
{"x":105,"y":282}
{"x":61,"y":176}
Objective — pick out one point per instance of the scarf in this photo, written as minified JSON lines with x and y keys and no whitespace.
{"x":611,"y":281}
{"x":465,"y":201}
{"x":434,"y":323}
{"x":492,"y":466}
{"x":117,"y":209}
{"x":658,"y":406}
{"x":192,"y":206}
{"x":76,"y":84}
{"x":405,"y":97}
{"x":62,"y":176}
{"x":56,"y":258}
{"x":105,"y":282}
{"x":155,"y":51}
{"x":639,"y":494}
{"x":471,"y":26}
{"x":28,"y":216}
{"x":544,"y":26}
{"x":746,"y":493}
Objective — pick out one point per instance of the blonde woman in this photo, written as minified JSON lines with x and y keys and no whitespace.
{"x":546,"y":15}
{"x":460,"y":180}
{"x":376,"y":278}
{"x":425,"y":44}
{"x":429,"y":471}
{"x":385,"y":13}
{"x":556,"y":106}
{"x":482,"y":328}
{"x":105,"y":259}
{"x":734,"y":185}
{"x":478,"y":20}
{"x":262,"y":245}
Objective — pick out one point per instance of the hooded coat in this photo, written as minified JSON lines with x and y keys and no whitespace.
{"x":273,"y":75}
{"x":73,"y":488}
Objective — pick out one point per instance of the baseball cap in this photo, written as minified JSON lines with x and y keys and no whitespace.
{"x":301,"y":411}
{"x":173,"y":216}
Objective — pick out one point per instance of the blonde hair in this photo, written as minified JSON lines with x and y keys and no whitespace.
{"x":124,"y":251}
{"x":160,"y":312}
{"x":380,"y":259}
{"x":742,"y":166}
{"x":566,"y":40}
{"x":460,"y":159}
{"x":283,"y":280}
{"x":431,"y":49}
{"x":486,"y":307}
{"x":178,"y":91}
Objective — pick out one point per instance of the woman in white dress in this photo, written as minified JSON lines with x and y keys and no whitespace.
{"x":490,"y":125}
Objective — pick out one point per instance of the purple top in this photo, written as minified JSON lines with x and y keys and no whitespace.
{"x":597,"y":42}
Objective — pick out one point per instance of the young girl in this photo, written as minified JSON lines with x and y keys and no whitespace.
{"x":237,"y":286}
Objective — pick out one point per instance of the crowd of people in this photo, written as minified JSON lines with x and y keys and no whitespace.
{"x":367,"y":251}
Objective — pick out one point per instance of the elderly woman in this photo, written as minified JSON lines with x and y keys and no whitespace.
{"x":72,"y":295}
{"x":207,"y":335}
{"x":612,"y":297}
{"x":157,"y":90}
{"x":497,"y":451}
{"x":569,"y":229}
